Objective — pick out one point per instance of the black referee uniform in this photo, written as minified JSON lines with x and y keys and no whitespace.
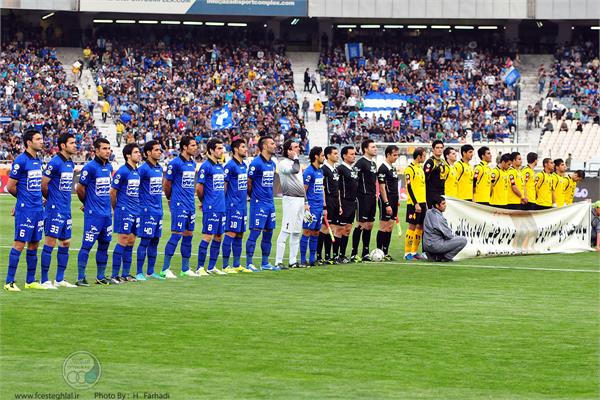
{"x":348,"y":186}
{"x":435,"y":179}
{"x":332,"y":205}
{"x":367,"y":204}
{"x":387,"y":175}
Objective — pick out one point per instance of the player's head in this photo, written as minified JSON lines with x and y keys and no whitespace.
{"x":548,"y":164}
{"x":450,"y":155}
{"x":214,"y":148}
{"x":419,"y":154}
{"x":267,"y":146}
{"x":484,"y":154}
{"x":33,"y":140}
{"x":188,"y":146}
{"x":102,"y":149}
{"x":439,"y":202}
{"x":348,"y":154}
{"x":532,"y":158}
{"x":368,"y":148}
{"x":153,"y":151}
{"x":559,"y":166}
{"x":131,"y":153}
{"x":239,"y":148}
{"x":596,"y":207}
{"x":438,"y":147}
{"x":517,"y":160}
{"x":578,"y":175}
{"x":466,"y":152}
{"x":506,"y":160}
{"x":391,"y":153}
{"x":316,"y":155}
{"x":291,"y":149}
{"x":331,"y":154}
{"x":66,"y":144}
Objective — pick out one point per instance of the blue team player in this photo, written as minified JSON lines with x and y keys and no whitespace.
{"x":236,"y":198}
{"x":179,"y":187}
{"x":211,"y":193}
{"x":262,"y":206}
{"x":25,"y":183}
{"x":125,"y":200}
{"x":151,"y":210}
{"x":93,"y":191}
{"x":315,"y":199}
{"x":57,"y":184}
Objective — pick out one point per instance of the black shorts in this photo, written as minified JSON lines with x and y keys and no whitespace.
{"x":484,"y":203}
{"x":414,"y":218}
{"x":367,"y":207}
{"x":530,"y":206}
{"x":333,"y":211}
{"x":348,"y":212}
{"x":383,"y":216}
{"x":538,"y":207}
{"x":515,"y":206}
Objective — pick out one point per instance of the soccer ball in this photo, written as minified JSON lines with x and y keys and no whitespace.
{"x":377,"y":255}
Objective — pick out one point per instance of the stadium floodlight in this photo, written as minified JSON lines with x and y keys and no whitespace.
{"x":370,"y":26}
{"x":48,"y":15}
{"x":393,"y":26}
{"x":193,"y":23}
{"x":295,"y":21}
{"x":440,"y":26}
{"x":240,"y":24}
{"x":147,"y":21}
{"x":417,"y":26}
{"x":487,"y":27}
{"x":125,"y":21}
{"x":595,"y":28}
{"x":103,"y":21}
{"x":214,"y":23}
{"x":464,"y":27}
{"x":170,"y":22}
{"x":346,"y":26}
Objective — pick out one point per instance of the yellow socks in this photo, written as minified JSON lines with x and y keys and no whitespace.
{"x":417,"y":240}
{"x":409,"y":239}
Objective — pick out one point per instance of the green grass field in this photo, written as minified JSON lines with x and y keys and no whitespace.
{"x":497,"y":328}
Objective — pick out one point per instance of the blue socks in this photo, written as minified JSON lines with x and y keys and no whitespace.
{"x":82,"y":260}
{"x":202,"y":248}
{"x":46,"y":260}
{"x":215,"y":247}
{"x":13,"y":263}
{"x":251,"y":245}
{"x":186,"y":252}
{"x":236,"y":248}
{"x":31,"y":258}
{"x":116,"y":260}
{"x":141,"y":254}
{"x":312,"y":248}
{"x":62,"y":259}
{"x":127,"y":259}
{"x":152,"y":253}
{"x":102,"y":259}
{"x":265,"y":246}
{"x":303,"y":248}
{"x":170,"y":250}
{"x":227,"y":242}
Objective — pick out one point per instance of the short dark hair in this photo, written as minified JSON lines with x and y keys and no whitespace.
{"x":465,"y":148}
{"x":437,"y":199}
{"x":287,"y":145}
{"x":506,"y":157}
{"x":28,"y":136}
{"x":580,"y":173}
{"x":482,"y":150}
{"x":212,"y":144}
{"x":185,"y":141}
{"x":128,"y":149}
{"x":237,"y":143}
{"x":149,"y":146}
{"x":546,"y":161}
{"x":314,"y":152}
{"x":99,"y":142}
{"x":328,"y":150}
{"x":262,"y":140}
{"x":514,"y":155}
{"x":390,"y":149}
{"x":365,"y":144}
{"x":558,"y":162}
{"x":64,"y":138}
{"x":531,"y":157}
{"x":436,"y":142}
{"x":447,"y":151}
{"x":419,"y":151}
{"x":346,"y":149}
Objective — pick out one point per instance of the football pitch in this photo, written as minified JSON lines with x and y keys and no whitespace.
{"x":495,"y":328}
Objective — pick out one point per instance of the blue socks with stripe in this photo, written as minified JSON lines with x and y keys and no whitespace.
{"x":142,"y":250}
{"x":46,"y":260}
{"x":265,"y":246}
{"x":62,"y":259}
{"x":13,"y":263}
{"x":251,"y":245}
{"x":31,"y":258}
{"x":186,"y":252}
{"x":236,"y":249}
{"x":102,"y":259}
{"x":117,"y":258}
{"x":313,"y":242}
{"x":215,"y":247}
{"x":227,"y":243}
{"x":202,"y":249}
{"x":127,"y":259}
{"x":152,"y":253}
{"x":82,"y":260}
{"x":170,"y":250}
{"x":303,"y":248}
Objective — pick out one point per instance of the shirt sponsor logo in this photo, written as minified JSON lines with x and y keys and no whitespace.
{"x":243,"y":182}
{"x":267,"y":178}
{"x":318,"y":185}
{"x":102,"y":186}
{"x":218,"y":182}
{"x":133,"y":187}
{"x":156,"y":185}
{"x":34,"y":180}
{"x":187,"y":179}
{"x":66,"y":182}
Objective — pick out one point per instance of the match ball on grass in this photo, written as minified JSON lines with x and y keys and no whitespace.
{"x":377,"y":255}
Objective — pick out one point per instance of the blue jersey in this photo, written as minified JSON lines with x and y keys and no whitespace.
{"x":127,"y":183}
{"x":27,"y":171}
{"x":151,"y":188}
{"x":262,"y":173}
{"x":60,"y":172}
{"x":95,"y":176}
{"x":236,"y":176}
{"x":212,"y":176}
{"x":313,"y":179}
{"x":182,"y":175}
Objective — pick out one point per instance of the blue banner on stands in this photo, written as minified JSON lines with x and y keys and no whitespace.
{"x":511,"y":76}
{"x":222,"y":119}
{"x":353,"y":50}
{"x":285,"y":124}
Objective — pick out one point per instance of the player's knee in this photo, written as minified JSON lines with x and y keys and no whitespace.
{"x":19,"y":246}
{"x":64,"y":243}
{"x":33,"y":245}
{"x":218,"y":238}
{"x":207,"y":238}
{"x":50,"y":241}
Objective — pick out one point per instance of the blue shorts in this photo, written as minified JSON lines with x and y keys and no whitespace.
{"x":317,"y":221}
{"x":236,"y":221}
{"x":96,"y":228}
{"x":213,"y":223}
{"x":182,"y":220}
{"x":150,"y":226}
{"x":126,"y":222}
{"x":58,"y":225}
{"x":262,"y":215}
{"x":29,"y":225}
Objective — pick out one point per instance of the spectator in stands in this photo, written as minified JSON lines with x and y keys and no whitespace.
{"x":596,"y":225}
{"x":305,"y":106}
{"x":318,"y":107}
{"x":306,"y":80}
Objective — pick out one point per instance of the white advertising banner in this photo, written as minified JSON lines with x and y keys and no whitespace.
{"x":493,"y":231}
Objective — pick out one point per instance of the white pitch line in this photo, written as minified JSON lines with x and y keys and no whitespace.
{"x":416,"y":263}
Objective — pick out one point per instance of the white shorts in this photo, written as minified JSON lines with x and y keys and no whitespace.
{"x":293,"y":214}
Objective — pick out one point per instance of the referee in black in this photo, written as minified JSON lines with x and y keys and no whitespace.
{"x":366,"y":198}
{"x":348,"y":190}
{"x":435,"y":173}
{"x":388,"y":199}
{"x":332,"y":204}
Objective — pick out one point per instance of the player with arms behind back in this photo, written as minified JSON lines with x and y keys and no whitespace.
{"x":389,"y":198}
{"x":315,"y":199}
{"x":348,"y":190}
{"x":416,"y":205}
